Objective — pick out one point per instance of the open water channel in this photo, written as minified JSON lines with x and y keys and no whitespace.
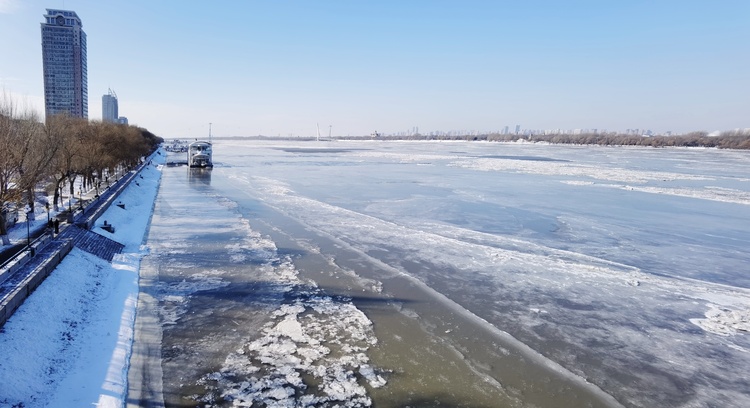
{"x":447,"y":274}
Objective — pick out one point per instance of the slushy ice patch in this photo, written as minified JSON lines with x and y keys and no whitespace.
{"x":311,"y":353}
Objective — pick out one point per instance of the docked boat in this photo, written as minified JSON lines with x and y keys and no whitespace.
{"x":199,"y":155}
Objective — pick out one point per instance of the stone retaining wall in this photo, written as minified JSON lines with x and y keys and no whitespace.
{"x":27,"y":286}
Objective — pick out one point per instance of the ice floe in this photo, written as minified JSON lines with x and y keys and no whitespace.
{"x":312,"y":353}
{"x":724,"y":321}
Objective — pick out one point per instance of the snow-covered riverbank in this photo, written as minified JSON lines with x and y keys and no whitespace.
{"x":69,"y":343}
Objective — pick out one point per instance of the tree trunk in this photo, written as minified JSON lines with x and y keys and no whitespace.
{"x":55,"y":197}
{"x":72,"y":192}
{"x":30,"y":199}
{"x":58,"y":201}
{"x":4,"y":230}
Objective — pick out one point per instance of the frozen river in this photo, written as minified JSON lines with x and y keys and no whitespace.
{"x":400,"y":274}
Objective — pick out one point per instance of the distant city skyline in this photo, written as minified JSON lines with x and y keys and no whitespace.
{"x":521,"y":131}
{"x":281,"y":68}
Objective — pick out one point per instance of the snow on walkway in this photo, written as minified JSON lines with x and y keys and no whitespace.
{"x":69,"y":344}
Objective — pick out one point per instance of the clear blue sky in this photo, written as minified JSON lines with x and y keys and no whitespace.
{"x":280,"y":67}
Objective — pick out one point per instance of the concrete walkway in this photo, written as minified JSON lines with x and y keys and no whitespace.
{"x":37,"y":226}
{"x":26,"y":271}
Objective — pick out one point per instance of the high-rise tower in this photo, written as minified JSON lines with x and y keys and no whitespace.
{"x":64,"y":64}
{"x":109,"y":107}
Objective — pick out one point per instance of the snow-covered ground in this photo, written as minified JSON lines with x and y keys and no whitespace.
{"x":625,"y":268}
{"x":18,"y":232}
{"x":68,"y":345}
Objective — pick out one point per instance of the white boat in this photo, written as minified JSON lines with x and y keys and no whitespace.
{"x":199,"y":154}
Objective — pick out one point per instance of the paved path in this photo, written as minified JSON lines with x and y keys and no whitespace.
{"x":90,"y":199}
{"x":18,"y":283}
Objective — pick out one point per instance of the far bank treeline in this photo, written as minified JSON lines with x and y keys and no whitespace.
{"x":37,"y":159}
{"x":736,"y":139}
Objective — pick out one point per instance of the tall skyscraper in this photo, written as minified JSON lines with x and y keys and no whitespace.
{"x":109,"y":107}
{"x":64,"y":64}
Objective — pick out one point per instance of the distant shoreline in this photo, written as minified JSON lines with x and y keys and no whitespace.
{"x":739,"y":140}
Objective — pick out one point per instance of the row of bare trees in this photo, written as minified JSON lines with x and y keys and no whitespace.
{"x":736,"y":139}
{"x":48,"y":155}
{"x":725,"y":140}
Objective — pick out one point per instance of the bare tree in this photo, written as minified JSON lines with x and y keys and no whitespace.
{"x":66,"y":134}
{"x":23,"y":161}
{"x":36,"y":151}
{"x":62,"y":149}
{"x":10,"y":195}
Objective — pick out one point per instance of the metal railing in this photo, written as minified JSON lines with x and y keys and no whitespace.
{"x":23,"y":255}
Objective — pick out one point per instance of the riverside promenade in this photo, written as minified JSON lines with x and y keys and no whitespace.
{"x":26,"y":270}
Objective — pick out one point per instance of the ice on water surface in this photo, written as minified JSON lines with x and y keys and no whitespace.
{"x":319,"y":337}
{"x":609,"y":261}
{"x":312,"y":350}
{"x":628,"y":267}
